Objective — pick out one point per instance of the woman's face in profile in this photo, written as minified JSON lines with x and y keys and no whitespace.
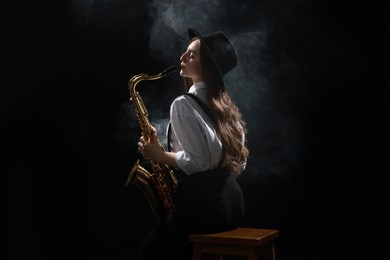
{"x":191,"y":66}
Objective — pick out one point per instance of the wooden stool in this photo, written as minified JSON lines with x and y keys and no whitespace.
{"x":253,"y":243}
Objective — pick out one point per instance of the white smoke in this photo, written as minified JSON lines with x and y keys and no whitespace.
{"x":172,"y":18}
{"x":169,"y":38}
{"x":257,"y":85}
{"x":161,"y":126}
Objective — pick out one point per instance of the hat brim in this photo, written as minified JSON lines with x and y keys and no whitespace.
{"x":219,"y":77}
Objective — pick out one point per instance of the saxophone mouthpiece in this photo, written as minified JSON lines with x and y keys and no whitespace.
{"x":170,"y":70}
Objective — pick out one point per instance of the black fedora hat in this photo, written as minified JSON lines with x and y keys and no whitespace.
{"x":220,"y":50}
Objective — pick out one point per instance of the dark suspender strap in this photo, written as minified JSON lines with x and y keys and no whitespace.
{"x":205,"y":109}
{"x":169,"y":144}
{"x":203,"y":106}
{"x":169,"y":137}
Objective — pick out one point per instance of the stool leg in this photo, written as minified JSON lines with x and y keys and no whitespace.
{"x":269,"y":254}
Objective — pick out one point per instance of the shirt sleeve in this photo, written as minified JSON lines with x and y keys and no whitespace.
{"x":195,"y":155}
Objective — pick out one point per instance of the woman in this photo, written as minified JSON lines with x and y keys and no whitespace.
{"x":206,"y":139}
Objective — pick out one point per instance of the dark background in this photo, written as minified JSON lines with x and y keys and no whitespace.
{"x":316,"y":105}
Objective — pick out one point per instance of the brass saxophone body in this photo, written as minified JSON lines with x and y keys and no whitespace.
{"x":158,"y":184}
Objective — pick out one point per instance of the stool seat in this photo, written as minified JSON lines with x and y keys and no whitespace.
{"x":250,"y":242}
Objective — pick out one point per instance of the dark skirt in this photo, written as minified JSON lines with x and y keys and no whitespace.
{"x":209,"y":201}
{"x":205,"y":202}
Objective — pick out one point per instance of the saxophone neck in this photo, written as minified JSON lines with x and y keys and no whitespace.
{"x":169,"y":70}
{"x":142,"y":113}
{"x":144,"y":76}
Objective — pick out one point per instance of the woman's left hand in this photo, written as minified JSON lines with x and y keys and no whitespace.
{"x":150,"y":150}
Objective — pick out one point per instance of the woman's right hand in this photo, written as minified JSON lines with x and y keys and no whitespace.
{"x":150,"y":150}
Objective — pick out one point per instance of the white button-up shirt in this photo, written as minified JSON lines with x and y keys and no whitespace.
{"x":193,"y":135}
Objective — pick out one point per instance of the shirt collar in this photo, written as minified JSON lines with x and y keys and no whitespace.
{"x":196,"y":86}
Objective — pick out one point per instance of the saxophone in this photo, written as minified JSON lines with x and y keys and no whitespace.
{"x":158,"y":184}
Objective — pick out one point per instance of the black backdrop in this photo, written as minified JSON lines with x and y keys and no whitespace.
{"x":69,"y":133}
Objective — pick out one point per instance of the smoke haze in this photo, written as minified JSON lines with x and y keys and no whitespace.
{"x":251,"y":84}
{"x":309,"y":83}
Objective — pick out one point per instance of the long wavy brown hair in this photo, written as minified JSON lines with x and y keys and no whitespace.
{"x":230,"y":126}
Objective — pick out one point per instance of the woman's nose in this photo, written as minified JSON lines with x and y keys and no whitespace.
{"x":183,"y":57}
